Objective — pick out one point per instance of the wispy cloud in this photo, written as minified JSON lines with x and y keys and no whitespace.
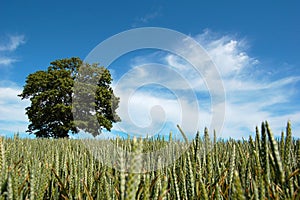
{"x":140,"y":21}
{"x":252,"y":95}
{"x":13,"y":42}
{"x":6,"y":61}
{"x":8,"y":46}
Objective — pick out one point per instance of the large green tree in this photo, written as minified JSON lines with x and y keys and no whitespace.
{"x":70,"y":95}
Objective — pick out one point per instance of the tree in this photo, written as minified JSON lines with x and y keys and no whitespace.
{"x":70,"y":87}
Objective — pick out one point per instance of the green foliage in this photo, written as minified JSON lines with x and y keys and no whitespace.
{"x":53,"y":99}
{"x":66,"y":169}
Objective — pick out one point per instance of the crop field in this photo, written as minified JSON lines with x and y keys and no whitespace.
{"x":262,"y":167}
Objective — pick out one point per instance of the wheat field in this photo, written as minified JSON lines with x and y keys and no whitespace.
{"x":262,"y":167}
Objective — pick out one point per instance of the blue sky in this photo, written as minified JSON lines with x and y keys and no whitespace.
{"x":255,"y":46}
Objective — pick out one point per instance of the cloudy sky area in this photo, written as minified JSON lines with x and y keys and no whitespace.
{"x":255,"y":48}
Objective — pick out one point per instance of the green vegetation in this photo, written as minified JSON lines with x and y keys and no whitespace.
{"x":260,"y":168}
{"x":65,"y":89}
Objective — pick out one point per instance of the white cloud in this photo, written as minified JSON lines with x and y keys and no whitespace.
{"x":12,"y":109}
{"x":250,"y":99}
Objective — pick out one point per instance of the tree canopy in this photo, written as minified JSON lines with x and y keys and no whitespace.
{"x":70,"y":95}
